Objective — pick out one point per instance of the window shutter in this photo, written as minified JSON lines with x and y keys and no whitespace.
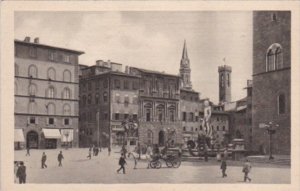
{"x":36,"y":120}
{"x":28,"y":120}
{"x":54,"y":121}
{"x":47,"y":120}
{"x":70,"y":121}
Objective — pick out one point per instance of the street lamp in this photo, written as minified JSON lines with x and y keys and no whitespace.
{"x":271,"y":129}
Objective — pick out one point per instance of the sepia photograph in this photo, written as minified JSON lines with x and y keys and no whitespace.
{"x":122,"y":97}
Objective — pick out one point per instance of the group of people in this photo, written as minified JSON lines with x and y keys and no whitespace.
{"x":246,"y":169}
{"x":96,"y":150}
{"x":60,"y":157}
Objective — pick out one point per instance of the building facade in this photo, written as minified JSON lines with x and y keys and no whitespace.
{"x":108,"y":98}
{"x":272,"y":80}
{"x":46,"y":94}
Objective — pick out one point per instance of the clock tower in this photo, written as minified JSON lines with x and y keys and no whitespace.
{"x":185,"y":71}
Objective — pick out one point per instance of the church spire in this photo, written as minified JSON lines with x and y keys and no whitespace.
{"x":184,"y":52}
{"x":185,"y":71}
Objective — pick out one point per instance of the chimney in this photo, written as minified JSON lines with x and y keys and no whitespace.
{"x":37,"y":40}
{"x":27,"y":39}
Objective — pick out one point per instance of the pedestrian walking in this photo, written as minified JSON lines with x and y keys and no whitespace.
{"x":246,"y":170}
{"x":16,"y":166}
{"x":44,"y":158}
{"x":96,"y":150}
{"x":224,"y":167}
{"x":59,"y":158}
{"x":205,"y":156}
{"x":109,"y":150}
{"x":21,"y":173}
{"x":27,"y":151}
{"x":90,"y":153}
{"x":122,"y":163}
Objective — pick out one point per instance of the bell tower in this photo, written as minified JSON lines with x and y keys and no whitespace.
{"x":185,"y":71}
{"x":224,"y":84}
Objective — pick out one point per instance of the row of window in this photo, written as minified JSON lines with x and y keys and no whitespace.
{"x":118,"y":84}
{"x":51,"y":73}
{"x":90,"y":99}
{"x":160,"y":114}
{"x":92,"y":116}
{"x":50,"y":121}
{"x":201,"y":128}
{"x":121,"y":116}
{"x":50,"y":92}
{"x":52,"y":55}
{"x":50,"y":108}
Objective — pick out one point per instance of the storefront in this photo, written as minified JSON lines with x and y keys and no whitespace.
{"x":52,"y":138}
{"x":19,"y":139}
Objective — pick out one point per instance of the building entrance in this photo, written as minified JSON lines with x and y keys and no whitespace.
{"x":32,"y":140}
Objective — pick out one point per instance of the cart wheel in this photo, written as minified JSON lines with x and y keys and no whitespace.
{"x":176,"y":163}
{"x":169,"y":164}
{"x":158,"y":164}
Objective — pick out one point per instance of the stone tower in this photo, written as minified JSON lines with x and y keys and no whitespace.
{"x":224,"y":83}
{"x":185,"y":70}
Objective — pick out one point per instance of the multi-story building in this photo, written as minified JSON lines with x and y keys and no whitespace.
{"x":271,"y":99}
{"x":46,"y":94}
{"x":158,"y":107}
{"x":108,"y":97}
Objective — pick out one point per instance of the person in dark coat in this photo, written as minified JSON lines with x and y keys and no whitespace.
{"x":122,"y":162}
{"x":21,"y":173}
{"x":59,"y":158}
{"x":44,"y":158}
{"x":97,"y":151}
{"x":223,"y":167}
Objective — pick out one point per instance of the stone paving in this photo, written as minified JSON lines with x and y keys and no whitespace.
{"x":102,"y":169}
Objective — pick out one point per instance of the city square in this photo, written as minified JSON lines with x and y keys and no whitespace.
{"x":101,"y":169}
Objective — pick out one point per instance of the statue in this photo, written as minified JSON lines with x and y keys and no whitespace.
{"x":206,"y":120}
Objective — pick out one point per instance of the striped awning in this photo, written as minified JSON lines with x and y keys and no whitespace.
{"x":19,"y":135}
{"x":52,"y":133}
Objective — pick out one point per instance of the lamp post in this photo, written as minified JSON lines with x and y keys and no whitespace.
{"x":271,"y":129}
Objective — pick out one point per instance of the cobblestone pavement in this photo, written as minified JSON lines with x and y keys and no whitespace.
{"x":102,"y":169}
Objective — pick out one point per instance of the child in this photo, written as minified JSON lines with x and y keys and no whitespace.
{"x":122,"y":162}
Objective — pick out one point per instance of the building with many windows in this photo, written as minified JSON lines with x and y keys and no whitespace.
{"x":46,"y":94}
{"x":271,"y":91}
{"x":108,"y":97}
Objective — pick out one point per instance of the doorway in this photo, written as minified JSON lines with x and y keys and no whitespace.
{"x":32,"y":140}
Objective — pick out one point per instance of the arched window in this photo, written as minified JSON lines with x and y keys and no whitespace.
{"x":51,"y":74}
{"x":274,"y":57}
{"x":32,"y":108}
{"x":172,"y":115}
{"x":105,"y":97}
{"x":222,"y":80}
{"x":32,"y":71}
{"x":184,"y":128}
{"x":50,"y":109}
{"x":97,"y":98}
{"x":67,"y":76}
{"x":50,"y":92}
{"x":89,"y":100}
{"x":281,"y":104}
{"x":66,"y":109}
{"x":228,"y":80}
{"x":218,"y":128}
{"x":192,"y":128}
{"x":66,"y":93}
{"x":160,"y":112}
{"x":32,"y":89}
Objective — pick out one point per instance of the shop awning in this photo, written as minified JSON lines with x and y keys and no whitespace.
{"x":52,"y":133}
{"x":19,"y":135}
{"x":66,"y":135}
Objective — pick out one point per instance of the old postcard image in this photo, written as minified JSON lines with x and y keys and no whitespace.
{"x":148,"y":95}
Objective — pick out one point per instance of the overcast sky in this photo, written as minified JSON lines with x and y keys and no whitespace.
{"x":153,"y":40}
